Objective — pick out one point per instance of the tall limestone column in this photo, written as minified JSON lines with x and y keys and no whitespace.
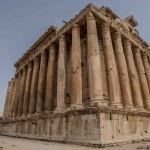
{"x":19,"y":76}
{"x":21,"y":96}
{"x":49,"y":102}
{"x":34,"y":86}
{"x":7,"y":101}
{"x":94,"y":64}
{"x":10,"y":98}
{"x":133,"y":76}
{"x":123,"y":72}
{"x":42,"y":83}
{"x":76,"y":94}
{"x":13,"y":97}
{"x":146,"y":66}
{"x":142,"y":78}
{"x":113,"y":87}
{"x":61,"y":75}
{"x":27,"y":89}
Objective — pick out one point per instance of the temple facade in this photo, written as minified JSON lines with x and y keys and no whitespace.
{"x":86,"y":83}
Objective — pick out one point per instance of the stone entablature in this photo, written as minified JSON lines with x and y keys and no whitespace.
{"x":77,"y":83}
{"x":104,"y":14}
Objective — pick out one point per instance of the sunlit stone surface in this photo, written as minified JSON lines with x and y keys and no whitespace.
{"x":87,"y":83}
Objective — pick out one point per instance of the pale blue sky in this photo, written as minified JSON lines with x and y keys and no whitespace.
{"x":22,"y":22}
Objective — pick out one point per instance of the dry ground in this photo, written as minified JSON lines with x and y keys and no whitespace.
{"x":9,"y":143}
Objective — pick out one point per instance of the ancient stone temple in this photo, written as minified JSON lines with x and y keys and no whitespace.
{"x":86,"y":83}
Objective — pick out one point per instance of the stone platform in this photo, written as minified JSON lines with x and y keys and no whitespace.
{"x":91,"y":127}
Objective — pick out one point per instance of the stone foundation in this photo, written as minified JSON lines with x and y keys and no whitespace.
{"x":91,"y":127}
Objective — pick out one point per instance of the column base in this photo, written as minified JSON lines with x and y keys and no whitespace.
{"x":29,"y":115}
{"x":75,"y":106}
{"x":23,"y":116}
{"x":139,"y":108}
{"x":115,"y":106}
{"x":60,"y":110}
{"x":129,"y":107}
{"x":38,"y":114}
{"x":48,"y":112}
{"x":98,"y":101}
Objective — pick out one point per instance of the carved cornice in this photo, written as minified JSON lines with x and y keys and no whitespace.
{"x":42,"y":40}
{"x":132,"y":21}
{"x":108,"y":13}
{"x":104,"y":14}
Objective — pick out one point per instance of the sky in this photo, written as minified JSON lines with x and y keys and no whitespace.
{"x":22,"y":22}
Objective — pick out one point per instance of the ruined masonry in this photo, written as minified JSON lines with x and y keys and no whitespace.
{"x":87,"y":83}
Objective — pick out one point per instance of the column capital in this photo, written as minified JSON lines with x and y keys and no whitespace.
{"x":16,"y":75}
{"x":52,"y":49}
{"x":126,"y":41}
{"x":90,"y":16}
{"x":30,"y":64}
{"x":62,"y":37}
{"x":36,"y":60}
{"x":20,"y":72}
{"x":44,"y":53}
{"x":105,"y":26}
{"x":136,"y":49}
{"x":24,"y":69}
{"x":144,"y":55}
{"x":117,"y":35}
{"x":53,"y":45}
{"x":76,"y":27}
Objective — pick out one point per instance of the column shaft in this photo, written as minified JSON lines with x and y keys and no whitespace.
{"x":123,"y":72}
{"x":17,"y":94}
{"x":10,"y":98}
{"x":142,"y":78}
{"x":133,"y":76}
{"x":27,"y":89}
{"x":49,"y":102}
{"x":76,"y":92}
{"x":146,"y":66}
{"x":34,"y":86}
{"x":21,"y":96}
{"x":7,"y":100}
{"x":94,"y":63}
{"x":113,"y":87}
{"x":61,"y":75}
{"x":42,"y":83}
{"x":13,"y":98}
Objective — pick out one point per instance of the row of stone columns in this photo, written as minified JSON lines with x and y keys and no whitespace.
{"x":33,"y":89}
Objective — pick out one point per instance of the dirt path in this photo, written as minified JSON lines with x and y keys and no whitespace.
{"x":9,"y":143}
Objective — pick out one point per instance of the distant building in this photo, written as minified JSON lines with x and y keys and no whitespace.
{"x":87,"y":83}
